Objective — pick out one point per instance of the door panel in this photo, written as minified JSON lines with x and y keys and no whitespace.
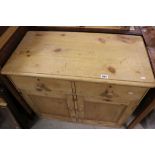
{"x":103,"y":112}
{"x":56,"y":106}
{"x":99,"y":111}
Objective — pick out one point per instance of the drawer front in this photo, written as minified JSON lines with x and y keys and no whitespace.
{"x":110,"y":93}
{"x":44,"y":86}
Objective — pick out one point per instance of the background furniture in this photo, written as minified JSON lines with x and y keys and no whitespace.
{"x":9,"y":39}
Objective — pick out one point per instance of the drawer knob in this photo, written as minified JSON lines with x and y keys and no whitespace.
{"x":108,"y":93}
{"x":41,"y":86}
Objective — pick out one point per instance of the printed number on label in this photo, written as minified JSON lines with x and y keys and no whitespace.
{"x":104,"y":76}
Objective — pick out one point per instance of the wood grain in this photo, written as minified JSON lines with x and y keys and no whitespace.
{"x":84,"y":56}
{"x":83,"y":77}
{"x":110,"y":93}
{"x":35,"y":85}
{"x":55,"y":106}
{"x":95,"y":111}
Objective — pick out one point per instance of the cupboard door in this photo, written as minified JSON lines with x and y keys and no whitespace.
{"x":99,"y":112}
{"x":58,"y":106}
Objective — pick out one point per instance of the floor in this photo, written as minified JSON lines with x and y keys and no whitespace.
{"x":7,"y":121}
{"x":149,"y":121}
{"x":57,"y":124}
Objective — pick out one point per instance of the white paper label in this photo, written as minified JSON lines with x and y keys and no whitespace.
{"x":104,"y":76}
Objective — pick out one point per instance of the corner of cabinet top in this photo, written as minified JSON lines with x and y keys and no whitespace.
{"x":95,"y":57}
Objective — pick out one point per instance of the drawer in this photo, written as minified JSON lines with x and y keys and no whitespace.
{"x":110,"y":93}
{"x":46,"y":86}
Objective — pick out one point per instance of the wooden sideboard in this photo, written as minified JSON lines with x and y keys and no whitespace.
{"x":148,"y":103}
{"x":97,"y":78}
{"x":18,"y":103}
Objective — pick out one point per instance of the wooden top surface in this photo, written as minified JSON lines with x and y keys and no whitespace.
{"x":96,"y":57}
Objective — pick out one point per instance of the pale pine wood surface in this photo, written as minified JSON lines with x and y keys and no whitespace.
{"x":99,"y":113}
{"x":97,"y":92}
{"x":109,"y":93}
{"x":103,"y":112}
{"x":43,"y":86}
{"x":55,"y":106}
{"x":58,"y":73}
{"x":83,"y":56}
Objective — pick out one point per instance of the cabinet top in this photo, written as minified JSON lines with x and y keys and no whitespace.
{"x":95,"y":57}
